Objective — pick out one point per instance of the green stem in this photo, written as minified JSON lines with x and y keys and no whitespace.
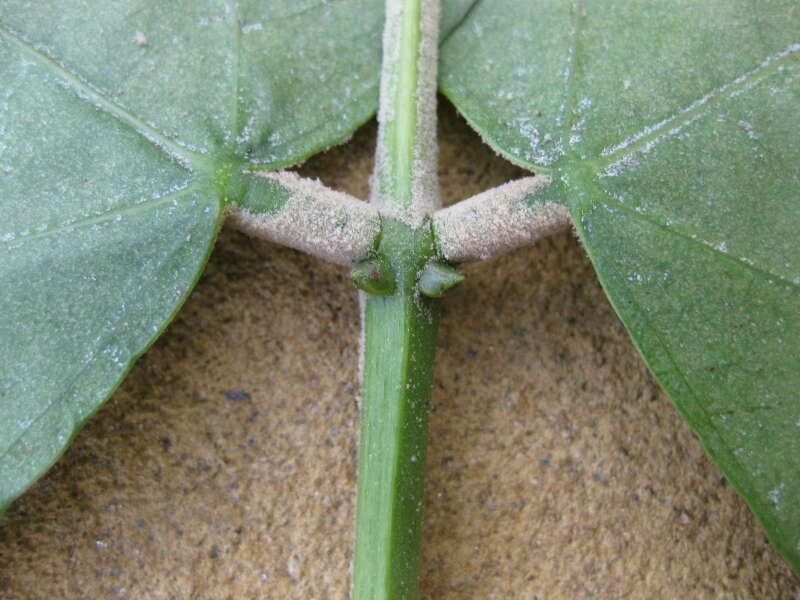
{"x":400,"y":342}
{"x":400,"y":328}
{"x":405,"y":185}
{"x":405,"y":106}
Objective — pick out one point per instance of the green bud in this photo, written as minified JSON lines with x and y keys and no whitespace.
{"x":436,"y":278}
{"x":374,"y":276}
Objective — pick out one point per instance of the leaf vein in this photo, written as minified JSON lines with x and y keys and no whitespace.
{"x":88,"y":93}
{"x":236,"y":126}
{"x":112,"y":334}
{"x":463,"y":19}
{"x":566,"y":113}
{"x":704,"y":245}
{"x":651,"y":135}
{"x":148,"y":204}
{"x":742,"y":485}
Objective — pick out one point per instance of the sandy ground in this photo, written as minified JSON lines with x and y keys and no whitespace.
{"x":223,"y":468}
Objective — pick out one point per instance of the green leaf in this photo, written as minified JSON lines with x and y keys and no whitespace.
{"x":125,"y":127}
{"x":671,"y":132}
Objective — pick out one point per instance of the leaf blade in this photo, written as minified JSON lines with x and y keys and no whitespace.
{"x":122,"y":138}
{"x":679,"y":151}
{"x":88,"y":314}
{"x":729,"y":366}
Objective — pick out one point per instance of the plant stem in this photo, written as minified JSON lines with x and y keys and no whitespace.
{"x":400,"y":341}
{"x":400,"y":328}
{"x":405,"y":185}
